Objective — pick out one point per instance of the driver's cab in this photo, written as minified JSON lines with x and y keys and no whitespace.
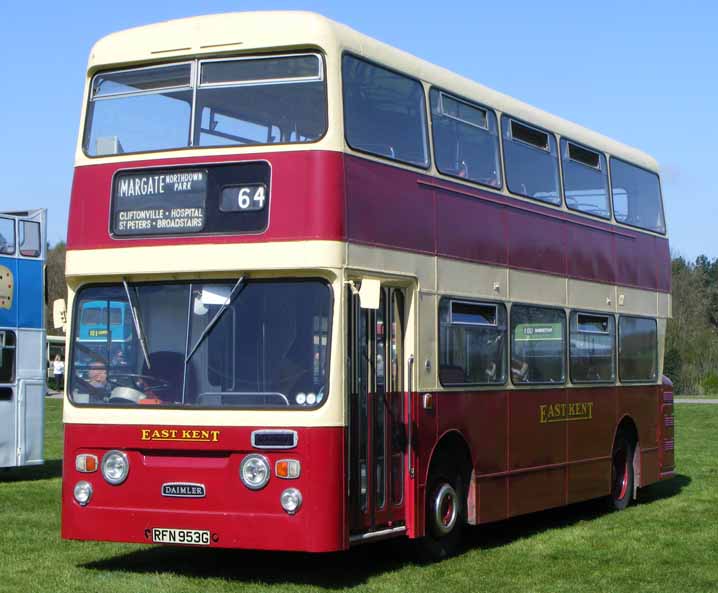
{"x":250,"y":343}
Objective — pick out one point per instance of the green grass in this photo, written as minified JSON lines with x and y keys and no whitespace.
{"x":669,"y":543}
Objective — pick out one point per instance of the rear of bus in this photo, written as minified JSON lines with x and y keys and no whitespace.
{"x":204,"y":385}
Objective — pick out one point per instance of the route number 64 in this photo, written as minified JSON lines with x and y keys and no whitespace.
{"x":243,"y":198}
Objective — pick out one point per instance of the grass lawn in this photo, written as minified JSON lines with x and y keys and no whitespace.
{"x":669,"y":543}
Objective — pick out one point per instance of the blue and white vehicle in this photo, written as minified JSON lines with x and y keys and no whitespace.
{"x":22,"y":337}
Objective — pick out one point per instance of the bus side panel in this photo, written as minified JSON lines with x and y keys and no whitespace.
{"x":382,"y":200}
{"x":641,"y":403}
{"x":379,"y":200}
{"x":589,"y":442}
{"x":236,"y":516}
{"x":30,"y":285}
{"x":8,"y":307}
{"x":480,"y":417}
{"x":591,"y":253}
{"x":536,"y":442}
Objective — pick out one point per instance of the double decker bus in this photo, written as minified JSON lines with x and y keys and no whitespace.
{"x":368,"y":298}
{"x":22,"y":337}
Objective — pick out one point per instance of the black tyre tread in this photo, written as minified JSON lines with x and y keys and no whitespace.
{"x":625,"y":439}
{"x":445,"y":467}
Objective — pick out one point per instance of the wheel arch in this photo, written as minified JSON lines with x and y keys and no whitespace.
{"x":453,"y":442}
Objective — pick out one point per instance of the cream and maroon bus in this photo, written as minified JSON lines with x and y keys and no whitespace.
{"x":322,"y":292}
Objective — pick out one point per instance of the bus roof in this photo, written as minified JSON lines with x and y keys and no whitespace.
{"x":221,"y":34}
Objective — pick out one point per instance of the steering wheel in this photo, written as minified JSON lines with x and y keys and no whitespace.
{"x":126,"y":395}
{"x":151,"y":383}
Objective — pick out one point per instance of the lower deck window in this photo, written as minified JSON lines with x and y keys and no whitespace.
{"x":7,"y":356}
{"x":224,"y":343}
{"x":637,"y":349}
{"x":592,"y":348}
{"x":538,"y":345}
{"x":472,"y":343}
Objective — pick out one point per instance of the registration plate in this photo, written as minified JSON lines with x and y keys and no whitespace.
{"x":193,"y":537}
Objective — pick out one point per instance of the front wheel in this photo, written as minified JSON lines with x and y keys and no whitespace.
{"x":445,"y":510}
{"x":622,"y":472}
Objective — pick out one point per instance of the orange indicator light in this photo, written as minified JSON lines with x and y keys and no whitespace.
{"x":86,"y":463}
{"x":288,"y":469}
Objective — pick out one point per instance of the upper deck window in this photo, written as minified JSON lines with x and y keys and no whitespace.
{"x":384,"y":112}
{"x":531,"y":161}
{"x":466,"y":142}
{"x":7,"y":236}
{"x":229,"y":102}
{"x":636,"y":196}
{"x":30,"y":243}
{"x":585,"y":179}
{"x":143,"y":80}
{"x":142,"y":110}
{"x":273,"y":100}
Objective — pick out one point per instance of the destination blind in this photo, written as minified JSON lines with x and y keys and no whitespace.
{"x":159,"y":202}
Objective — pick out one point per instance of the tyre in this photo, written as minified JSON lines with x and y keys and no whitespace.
{"x":622,"y":472}
{"x":445,"y":509}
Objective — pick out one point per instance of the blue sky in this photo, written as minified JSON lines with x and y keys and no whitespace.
{"x":643,"y":73}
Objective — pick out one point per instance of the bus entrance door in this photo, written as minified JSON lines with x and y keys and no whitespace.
{"x":377,"y":430}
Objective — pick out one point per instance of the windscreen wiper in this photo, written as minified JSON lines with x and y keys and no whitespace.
{"x":138,"y":324}
{"x":236,"y":289}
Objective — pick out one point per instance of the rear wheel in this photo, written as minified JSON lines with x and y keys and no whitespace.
{"x":622,"y":473}
{"x":445,"y":509}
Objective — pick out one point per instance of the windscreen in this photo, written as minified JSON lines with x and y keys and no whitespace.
{"x":232,"y":102}
{"x":238,"y":343}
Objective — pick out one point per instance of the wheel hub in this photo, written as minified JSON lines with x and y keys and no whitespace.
{"x":446,"y":509}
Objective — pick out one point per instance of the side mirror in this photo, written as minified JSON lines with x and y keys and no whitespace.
{"x":59,"y":314}
{"x":370,"y":293}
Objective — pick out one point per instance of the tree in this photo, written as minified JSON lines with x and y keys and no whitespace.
{"x":691,"y":358}
{"x":56,"y":287}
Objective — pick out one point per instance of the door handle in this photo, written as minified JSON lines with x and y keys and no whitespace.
{"x":409,"y":415}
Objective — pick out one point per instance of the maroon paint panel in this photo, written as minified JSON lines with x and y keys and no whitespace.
{"x":641,"y":403}
{"x":536,"y":491}
{"x":388,"y":206}
{"x":330,"y":196}
{"x":471,"y":229}
{"x":236,"y":516}
{"x":636,"y":262}
{"x":533,"y":443}
{"x":592,"y":253}
{"x":537,"y":243}
{"x":385,"y":206}
{"x":588,"y":480}
{"x":587,"y":439}
{"x":522,"y":464}
{"x":306,"y":201}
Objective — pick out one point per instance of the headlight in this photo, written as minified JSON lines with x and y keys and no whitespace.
{"x":115,"y":467}
{"x":83,"y":492}
{"x":291,"y":500}
{"x":254,"y":472}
